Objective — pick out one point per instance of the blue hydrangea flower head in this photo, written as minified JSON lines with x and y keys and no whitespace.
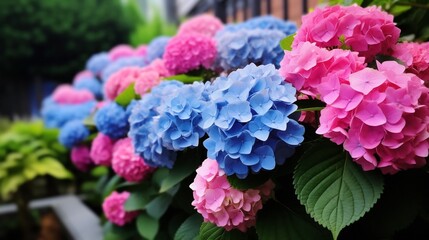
{"x":271,"y":23}
{"x":112,"y":120}
{"x":90,"y":83}
{"x":55,"y":115}
{"x":249,"y":120}
{"x":156,"y":48}
{"x":97,"y":62}
{"x":144,"y":124}
{"x":72,"y":133}
{"x":121,"y":63}
{"x":240,"y":48}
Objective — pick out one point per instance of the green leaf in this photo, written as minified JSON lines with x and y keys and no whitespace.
{"x":113,"y":232}
{"x":139,"y":200}
{"x":111,"y":185}
{"x":209,"y":231}
{"x":125,"y":97}
{"x":178,"y":173}
{"x":251,"y":181}
{"x":286,"y":43}
{"x":185,"y":78}
{"x":158,"y":206}
{"x":334,"y":190}
{"x":275,"y":221}
{"x":54,"y":168}
{"x":190,"y":228}
{"x":147,"y":226}
{"x":159,"y":175}
{"x":310,"y":105}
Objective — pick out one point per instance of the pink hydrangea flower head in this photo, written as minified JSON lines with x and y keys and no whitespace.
{"x":219,"y":203}
{"x":416,"y":57}
{"x":186,"y":52}
{"x":114,"y":210}
{"x":80,"y":158}
{"x":369,"y":30}
{"x":203,"y":24}
{"x":151,"y":76}
{"x":82,"y":74}
{"x":66,"y":94}
{"x":306,"y":66}
{"x":120,"y":80}
{"x":158,"y":65}
{"x":101,"y":150}
{"x":381,"y":118}
{"x":127,"y":164}
{"x":141,"y":51}
{"x":121,"y":51}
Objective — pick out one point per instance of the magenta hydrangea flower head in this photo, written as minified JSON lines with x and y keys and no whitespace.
{"x":187,"y":52}
{"x":80,"y":158}
{"x":205,"y":24}
{"x":221,"y":204}
{"x":369,"y":31}
{"x":114,"y":210}
{"x":121,"y":51}
{"x":66,"y":94}
{"x":380,"y":116}
{"x":101,"y":150}
{"x":120,"y":80}
{"x":306,"y":66}
{"x":128,"y":164}
{"x":416,"y":57}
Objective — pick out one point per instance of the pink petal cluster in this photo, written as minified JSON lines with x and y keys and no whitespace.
{"x":101,"y":150}
{"x":120,"y":80}
{"x":127,"y":164}
{"x":416,"y":58}
{"x":66,"y":94}
{"x":121,"y":51}
{"x":151,"y":76}
{"x":83,"y":74}
{"x":113,"y":208}
{"x":80,"y":158}
{"x":381,"y":116}
{"x":141,"y":51}
{"x":186,"y":52}
{"x":203,"y":24}
{"x":306,"y":66}
{"x":219,"y":203}
{"x":369,"y":30}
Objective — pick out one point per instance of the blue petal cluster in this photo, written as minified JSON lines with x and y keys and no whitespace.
{"x":72,"y":133}
{"x":271,"y":23}
{"x":156,"y":48}
{"x":121,"y":63}
{"x":144,"y":118}
{"x":97,"y":62}
{"x":56,"y":115}
{"x":90,"y":83}
{"x":248,"y":120}
{"x":240,"y":48}
{"x":112,"y":120}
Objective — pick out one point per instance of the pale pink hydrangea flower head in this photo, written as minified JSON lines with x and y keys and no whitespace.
{"x":141,"y":51}
{"x":80,"y":158}
{"x":82,"y":74}
{"x":114,"y":210}
{"x":66,"y":94}
{"x":203,"y":24}
{"x":186,"y":52}
{"x":120,"y":80}
{"x":151,"y":76}
{"x":416,"y":57}
{"x":127,"y":164}
{"x":381,"y":117}
{"x":101,"y":150}
{"x":369,"y":31}
{"x":121,"y":51}
{"x":219,"y":203}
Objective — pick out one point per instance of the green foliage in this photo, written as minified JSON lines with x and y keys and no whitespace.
{"x":28,"y":150}
{"x":209,"y":231}
{"x":147,"y":226}
{"x":334,"y":190}
{"x":190,"y":228}
{"x":286,"y":43}
{"x":54,"y":38}
{"x":126,"y":96}
{"x":185,"y":78}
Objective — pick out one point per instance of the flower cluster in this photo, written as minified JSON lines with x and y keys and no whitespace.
{"x":97,"y":62}
{"x":114,"y":210}
{"x":307,"y":66}
{"x":66,"y":94}
{"x":112,"y":120}
{"x":127,"y":164}
{"x":121,"y":51}
{"x":101,"y":150}
{"x":151,"y":76}
{"x":369,"y":31}
{"x":80,"y":158}
{"x":248,"y":120}
{"x":91,"y":84}
{"x":187,"y":52}
{"x":156,"y":48}
{"x":56,"y":115}
{"x":83,"y":74}
{"x":203,"y":24}
{"x":221,"y":204}
{"x":380,"y":116}
{"x":120,"y":80}
{"x":72,"y":133}
{"x":416,"y":57}
{"x":117,"y":65}
{"x":240,"y":48}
